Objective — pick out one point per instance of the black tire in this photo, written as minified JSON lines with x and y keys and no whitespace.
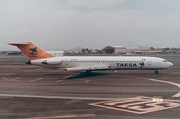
{"x":156,"y":72}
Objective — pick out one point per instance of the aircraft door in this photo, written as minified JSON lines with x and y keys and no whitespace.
{"x":149,"y":62}
{"x":66,"y":62}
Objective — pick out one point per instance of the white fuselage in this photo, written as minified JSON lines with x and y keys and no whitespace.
{"x":104,"y":62}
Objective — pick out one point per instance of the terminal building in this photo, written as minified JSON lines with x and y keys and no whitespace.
{"x":115,"y":50}
{"x":133,"y":50}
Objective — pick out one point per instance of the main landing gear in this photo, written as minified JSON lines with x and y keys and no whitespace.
{"x":156,"y":72}
{"x":87,"y":72}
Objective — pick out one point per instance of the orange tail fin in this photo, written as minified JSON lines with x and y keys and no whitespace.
{"x":32,"y":51}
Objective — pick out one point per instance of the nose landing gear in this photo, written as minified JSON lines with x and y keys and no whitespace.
{"x":156,"y":72}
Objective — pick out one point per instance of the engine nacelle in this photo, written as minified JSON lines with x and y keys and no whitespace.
{"x":46,"y":62}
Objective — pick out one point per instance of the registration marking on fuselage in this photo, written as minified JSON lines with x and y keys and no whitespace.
{"x":138,"y":105}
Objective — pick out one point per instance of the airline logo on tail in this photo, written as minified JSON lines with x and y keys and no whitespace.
{"x":33,"y":52}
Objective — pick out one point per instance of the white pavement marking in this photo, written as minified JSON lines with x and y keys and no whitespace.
{"x":172,"y":83}
{"x":176,"y":95}
{"x":136,"y":105}
{"x":79,"y":98}
{"x":33,"y":70}
{"x":60,"y":80}
{"x":13,"y":79}
{"x":176,"y":84}
{"x":86,"y":81}
{"x":36,"y":80}
{"x":115,"y":71}
{"x":66,"y":77}
{"x":4,"y":78}
{"x":59,"y":97}
{"x":62,"y":116}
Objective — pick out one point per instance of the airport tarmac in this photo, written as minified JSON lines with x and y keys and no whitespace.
{"x":32,"y":92}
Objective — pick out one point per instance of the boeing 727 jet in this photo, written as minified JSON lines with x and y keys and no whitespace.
{"x":40,"y":57}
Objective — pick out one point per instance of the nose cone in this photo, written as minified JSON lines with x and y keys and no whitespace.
{"x":170,"y":64}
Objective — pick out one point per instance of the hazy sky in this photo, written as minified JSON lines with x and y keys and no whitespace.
{"x":64,"y":24}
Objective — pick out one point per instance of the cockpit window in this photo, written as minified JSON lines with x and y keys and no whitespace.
{"x":164,"y":60}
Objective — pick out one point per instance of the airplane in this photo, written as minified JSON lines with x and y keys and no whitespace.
{"x":40,"y":57}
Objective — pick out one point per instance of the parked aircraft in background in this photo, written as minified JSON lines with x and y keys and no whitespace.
{"x":38,"y":56}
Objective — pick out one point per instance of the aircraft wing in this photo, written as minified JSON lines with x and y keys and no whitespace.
{"x":97,"y":67}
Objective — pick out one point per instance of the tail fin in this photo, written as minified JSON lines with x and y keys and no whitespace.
{"x":32,"y":51}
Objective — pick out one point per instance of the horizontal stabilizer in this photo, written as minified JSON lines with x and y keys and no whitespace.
{"x":19,"y":43}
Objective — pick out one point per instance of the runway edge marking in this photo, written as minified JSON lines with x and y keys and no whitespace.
{"x":62,"y":116}
{"x":168,"y":82}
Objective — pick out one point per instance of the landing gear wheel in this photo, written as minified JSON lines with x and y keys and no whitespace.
{"x":87,"y":72}
{"x":156,"y":72}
